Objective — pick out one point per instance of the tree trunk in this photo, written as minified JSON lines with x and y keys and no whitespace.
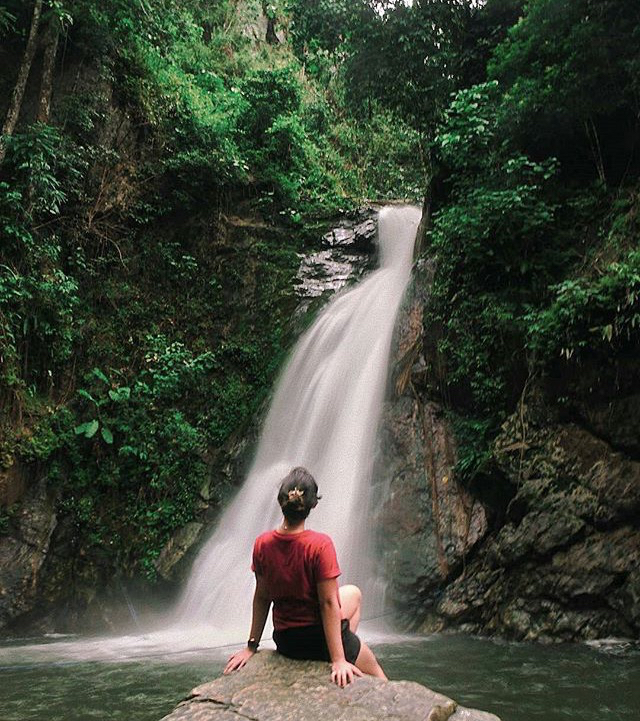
{"x":271,"y":37}
{"x":23,"y":75}
{"x":48,"y":66}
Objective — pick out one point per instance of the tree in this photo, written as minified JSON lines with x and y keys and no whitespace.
{"x":568,"y":68}
{"x":15,"y":104}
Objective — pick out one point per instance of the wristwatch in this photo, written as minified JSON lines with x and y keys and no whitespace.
{"x":253,"y":644}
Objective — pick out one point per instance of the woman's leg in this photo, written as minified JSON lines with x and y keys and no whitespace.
{"x":368,"y":663}
{"x":351,"y":604}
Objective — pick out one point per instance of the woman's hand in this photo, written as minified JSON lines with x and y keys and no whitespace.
{"x":343,"y":672}
{"x":238,"y":660}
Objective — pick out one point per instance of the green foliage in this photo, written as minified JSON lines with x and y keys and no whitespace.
{"x":271,"y":125}
{"x":408,"y":58}
{"x":568,"y":57}
{"x":537,"y":264}
{"x":38,"y":298}
{"x":384,"y":156}
{"x":135,"y":445}
{"x":490,"y":241}
{"x":116,"y":269}
{"x":473,"y":436}
{"x":324,"y":25}
{"x":590,"y":314}
{"x":7,"y":21}
{"x":569,"y":68}
{"x":6,"y":516}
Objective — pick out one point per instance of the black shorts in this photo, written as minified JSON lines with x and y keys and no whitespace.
{"x":308,"y":642}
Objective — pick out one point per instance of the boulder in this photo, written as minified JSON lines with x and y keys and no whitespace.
{"x":23,"y":550}
{"x":347,"y":253}
{"x":274,"y":688}
{"x":564,"y":565}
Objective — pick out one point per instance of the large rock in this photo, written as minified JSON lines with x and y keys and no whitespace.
{"x":564,"y":565}
{"x":545,"y":546}
{"x":429,"y":522}
{"x":347,"y":252}
{"x":274,"y":688}
{"x":23,"y":550}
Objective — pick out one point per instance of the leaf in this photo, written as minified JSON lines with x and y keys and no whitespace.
{"x":120,"y":394}
{"x":85,"y":394}
{"x":92,"y":428}
{"x":128,"y":451}
{"x":107,"y":435}
{"x":89,"y":428}
{"x":99,"y":374}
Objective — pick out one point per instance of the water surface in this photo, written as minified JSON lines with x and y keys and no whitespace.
{"x":518,"y":682}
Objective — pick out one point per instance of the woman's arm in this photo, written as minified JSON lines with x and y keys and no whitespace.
{"x":342,"y":672}
{"x":260,"y":611}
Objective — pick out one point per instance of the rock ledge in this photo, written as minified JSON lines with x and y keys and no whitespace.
{"x":273,"y":688}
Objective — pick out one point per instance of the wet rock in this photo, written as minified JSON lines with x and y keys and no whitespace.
{"x":274,"y":688}
{"x":347,"y":253}
{"x":429,"y":523}
{"x":326,"y":272}
{"x":350,"y":233}
{"x":564,"y":565}
{"x":167,"y":563}
{"x":23,"y":551}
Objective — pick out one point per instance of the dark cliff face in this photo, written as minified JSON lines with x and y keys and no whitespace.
{"x":547,"y":546}
{"x":429,"y":523}
{"x":565,"y":563}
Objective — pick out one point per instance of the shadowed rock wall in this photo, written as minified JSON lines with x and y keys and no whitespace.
{"x":429,"y":523}
{"x":546,"y":546}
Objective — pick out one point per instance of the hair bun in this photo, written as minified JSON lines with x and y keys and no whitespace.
{"x":298,"y":494}
{"x":295,"y":497}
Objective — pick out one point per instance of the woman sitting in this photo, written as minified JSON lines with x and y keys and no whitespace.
{"x":297,"y":570}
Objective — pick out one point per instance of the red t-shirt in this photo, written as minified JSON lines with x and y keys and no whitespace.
{"x":291,"y":565}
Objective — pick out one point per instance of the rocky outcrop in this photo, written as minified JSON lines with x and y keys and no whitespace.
{"x":564,"y":566}
{"x":273,"y":688}
{"x":23,"y":549}
{"x":429,"y":523}
{"x":346,"y":252}
{"x":546,"y":546}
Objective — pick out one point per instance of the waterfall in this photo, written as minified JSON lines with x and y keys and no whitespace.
{"x":324,"y":416}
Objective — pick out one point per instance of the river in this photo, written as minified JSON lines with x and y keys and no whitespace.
{"x":518,"y":682}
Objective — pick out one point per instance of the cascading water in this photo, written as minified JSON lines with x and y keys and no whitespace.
{"x":324,"y":416}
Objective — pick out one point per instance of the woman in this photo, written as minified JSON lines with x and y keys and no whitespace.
{"x":297,"y":570}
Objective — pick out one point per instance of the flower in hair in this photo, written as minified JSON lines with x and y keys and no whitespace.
{"x":295,"y":494}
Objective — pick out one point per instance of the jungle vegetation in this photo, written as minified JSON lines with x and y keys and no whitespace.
{"x":141,"y":325}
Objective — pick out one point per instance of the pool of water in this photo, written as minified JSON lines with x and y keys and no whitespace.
{"x":518,"y":682}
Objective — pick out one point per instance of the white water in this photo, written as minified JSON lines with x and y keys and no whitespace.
{"x":324,"y":416}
